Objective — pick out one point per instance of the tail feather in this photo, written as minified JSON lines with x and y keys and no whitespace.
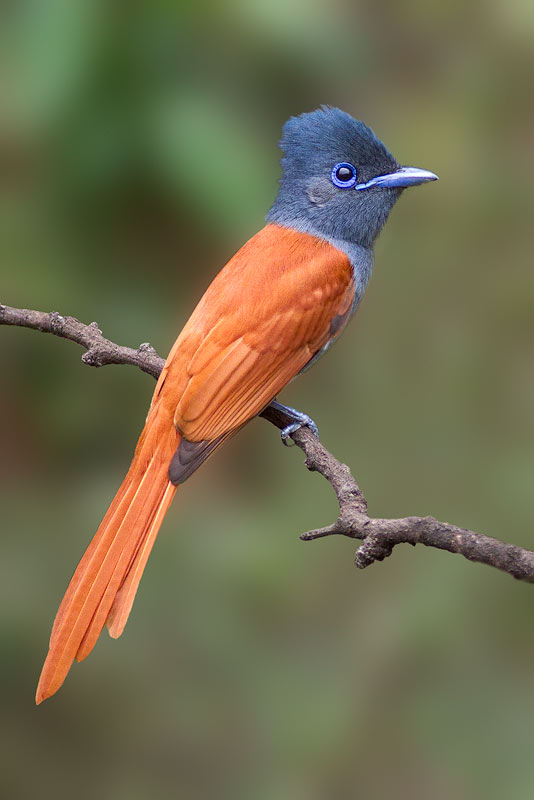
{"x":118,"y":557}
{"x":106,"y":579}
{"x":88,"y":555}
{"x":122,"y":604}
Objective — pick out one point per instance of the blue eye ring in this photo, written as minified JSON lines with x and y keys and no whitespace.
{"x":339,"y":176}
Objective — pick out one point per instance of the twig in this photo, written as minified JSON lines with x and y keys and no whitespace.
{"x":100,"y":351}
{"x":379,"y":536}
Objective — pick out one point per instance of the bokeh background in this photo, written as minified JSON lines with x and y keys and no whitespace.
{"x":137,"y":152}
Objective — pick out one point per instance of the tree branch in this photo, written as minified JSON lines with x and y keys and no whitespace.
{"x":379,"y":536}
{"x":100,"y":351}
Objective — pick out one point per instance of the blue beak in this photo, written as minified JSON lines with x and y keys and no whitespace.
{"x":403,"y":177}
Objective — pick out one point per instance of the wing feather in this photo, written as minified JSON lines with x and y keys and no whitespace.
{"x":258,"y":325}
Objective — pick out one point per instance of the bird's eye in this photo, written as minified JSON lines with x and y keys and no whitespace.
{"x":343,"y":175}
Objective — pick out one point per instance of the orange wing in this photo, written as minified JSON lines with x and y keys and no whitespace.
{"x":281,"y":299}
{"x":264,"y":317}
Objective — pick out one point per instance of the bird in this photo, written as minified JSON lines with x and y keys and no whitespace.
{"x":272,"y":311}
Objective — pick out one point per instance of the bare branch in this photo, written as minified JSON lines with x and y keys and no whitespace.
{"x":100,"y":351}
{"x":379,"y":536}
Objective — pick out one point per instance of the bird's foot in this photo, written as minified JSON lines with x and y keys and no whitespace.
{"x":300,"y":420}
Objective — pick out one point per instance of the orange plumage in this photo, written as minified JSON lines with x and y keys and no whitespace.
{"x":265,"y":316}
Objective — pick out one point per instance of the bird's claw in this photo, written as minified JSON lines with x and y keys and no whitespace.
{"x":300,"y":420}
{"x":304,"y":422}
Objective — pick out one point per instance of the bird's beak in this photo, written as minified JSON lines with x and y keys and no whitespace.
{"x":404,"y":176}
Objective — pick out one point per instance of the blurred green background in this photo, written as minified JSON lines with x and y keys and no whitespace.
{"x":137,"y":152}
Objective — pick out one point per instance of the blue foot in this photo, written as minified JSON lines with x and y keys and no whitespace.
{"x":300,"y":421}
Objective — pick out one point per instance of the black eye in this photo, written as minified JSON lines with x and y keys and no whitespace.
{"x":343,"y":175}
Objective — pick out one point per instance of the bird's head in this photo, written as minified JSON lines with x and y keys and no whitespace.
{"x":338,"y":179}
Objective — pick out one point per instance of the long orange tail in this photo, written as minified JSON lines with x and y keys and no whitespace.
{"x":105,"y":582}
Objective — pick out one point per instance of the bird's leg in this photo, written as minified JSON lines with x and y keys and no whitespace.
{"x":300,"y":420}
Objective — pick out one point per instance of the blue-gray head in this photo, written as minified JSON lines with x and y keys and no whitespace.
{"x":338,"y":179}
